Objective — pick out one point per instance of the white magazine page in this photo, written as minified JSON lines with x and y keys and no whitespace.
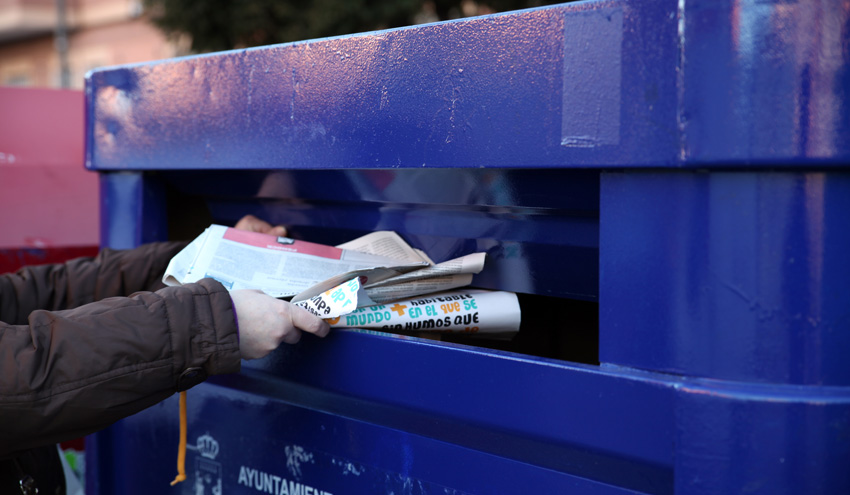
{"x":386,"y":243}
{"x":180,"y":265}
{"x":469,"y":264}
{"x":413,"y":288}
{"x":279,"y":266}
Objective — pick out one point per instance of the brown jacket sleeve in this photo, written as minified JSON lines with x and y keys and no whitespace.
{"x":71,"y":372}
{"x":84,"y":280}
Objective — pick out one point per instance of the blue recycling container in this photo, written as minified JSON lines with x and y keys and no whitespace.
{"x":664,"y":184}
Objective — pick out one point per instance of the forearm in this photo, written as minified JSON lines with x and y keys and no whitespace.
{"x":83,"y":280}
{"x":69,"y":373}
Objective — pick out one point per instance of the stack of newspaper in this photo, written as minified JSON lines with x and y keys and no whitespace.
{"x":376,"y":281}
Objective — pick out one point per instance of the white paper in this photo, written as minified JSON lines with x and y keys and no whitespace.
{"x":335,"y":302}
{"x":413,"y":288}
{"x":386,"y":243}
{"x":278,"y":266}
{"x":385,"y":265}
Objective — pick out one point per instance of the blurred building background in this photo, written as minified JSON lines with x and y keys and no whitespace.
{"x":53,"y":43}
{"x":94,"y":33}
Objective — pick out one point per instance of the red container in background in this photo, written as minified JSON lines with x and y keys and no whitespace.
{"x":49,"y":205}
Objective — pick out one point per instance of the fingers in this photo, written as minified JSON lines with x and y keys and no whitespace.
{"x":265,"y":322}
{"x":251,"y":223}
{"x":293,"y":336}
{"x":278,"y":230}
{"x":301,"y":320}
{"x":308,"y":322}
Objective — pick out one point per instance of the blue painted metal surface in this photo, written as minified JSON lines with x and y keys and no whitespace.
{"x":136,"y":207}
{"x":683,"y":163}
{"x":590,"y":84}
{"x":457,"y":436}
{"x":746,"y":438}
{"x":764,"y":82}
{"x":738,"y":276}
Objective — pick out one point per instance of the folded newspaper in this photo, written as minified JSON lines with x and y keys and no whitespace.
{"x":333,"y":281}
{"x":469,"y":311}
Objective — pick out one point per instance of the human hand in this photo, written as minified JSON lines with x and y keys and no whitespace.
{"x":254,"y":224}
{"x":265,"y":322}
